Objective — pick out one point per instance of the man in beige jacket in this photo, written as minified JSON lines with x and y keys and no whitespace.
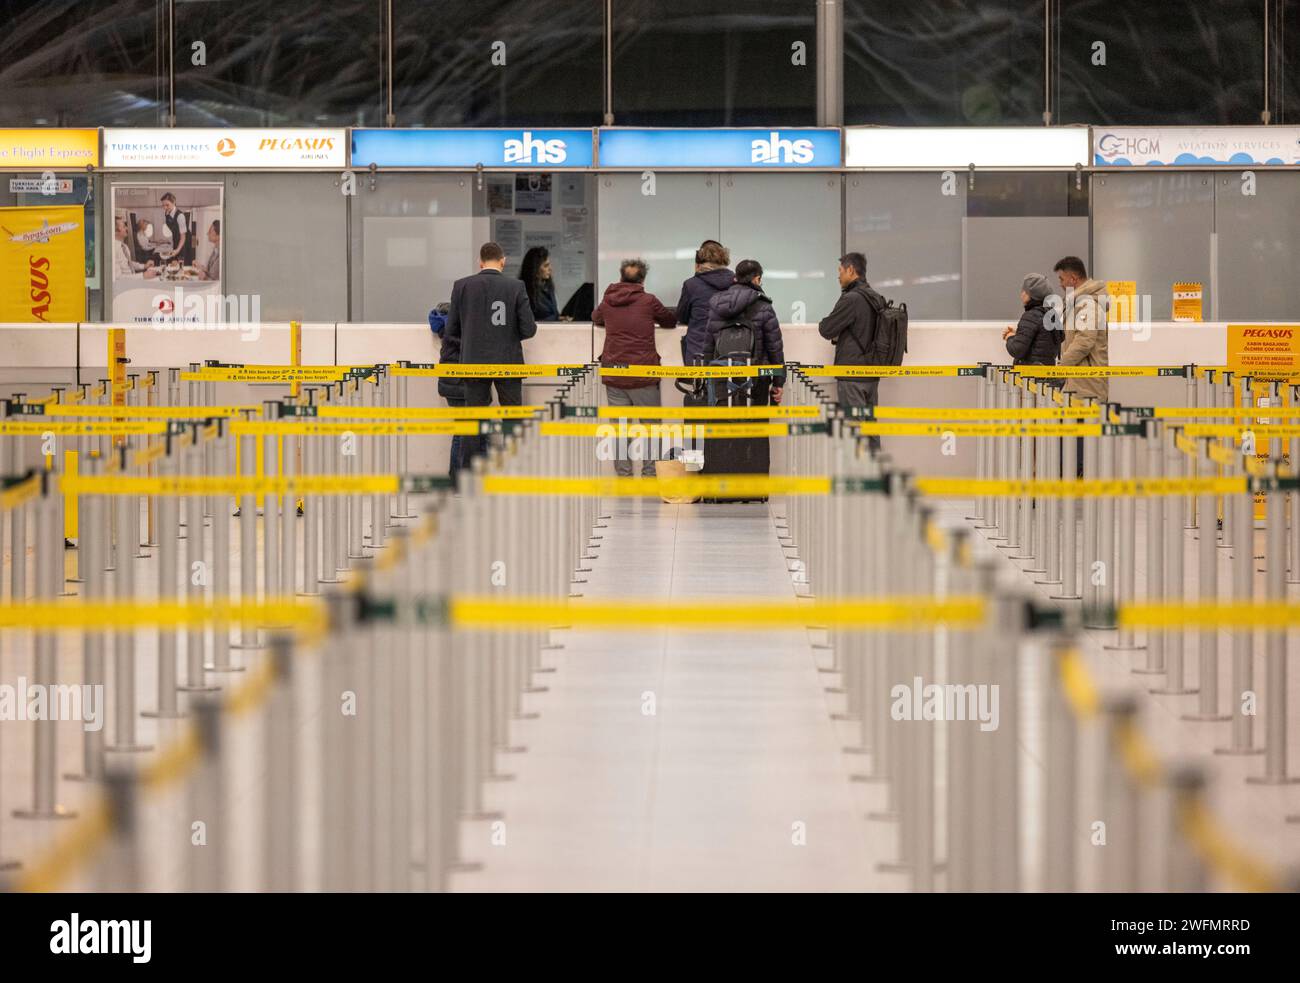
{"x":1084,"y":319}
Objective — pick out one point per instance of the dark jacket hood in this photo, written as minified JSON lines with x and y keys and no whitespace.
{"x":719,"y":279}
{"x":735,"y":299}
{"x":620,"y":294}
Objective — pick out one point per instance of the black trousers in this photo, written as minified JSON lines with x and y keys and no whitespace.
{"x":478,"y":392}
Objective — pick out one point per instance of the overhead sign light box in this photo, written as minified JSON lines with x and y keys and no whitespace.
{"x":535,"y":148}
{"x":226,"y":148}
{"x":720,"y":148}
{"x":1183,"y":146}
{"x":955,"y":147}
{"x":48,"y":147}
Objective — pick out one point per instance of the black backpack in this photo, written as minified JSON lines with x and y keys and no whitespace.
{"x":737,"y":341}
{"x":889,"y":343}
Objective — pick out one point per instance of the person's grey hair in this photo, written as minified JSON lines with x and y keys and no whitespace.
{"x":633,"y":270}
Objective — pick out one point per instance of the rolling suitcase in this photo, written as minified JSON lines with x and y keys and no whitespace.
{"x":737,"y":455}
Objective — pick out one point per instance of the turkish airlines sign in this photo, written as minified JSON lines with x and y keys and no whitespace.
{"x":224,"y":149}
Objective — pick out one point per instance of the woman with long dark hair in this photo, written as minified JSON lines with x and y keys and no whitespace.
{"x":535,"y":271}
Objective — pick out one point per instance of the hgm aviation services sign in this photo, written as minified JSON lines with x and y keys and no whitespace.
{"x":227,"y":148}
{"x":1182,"y":146}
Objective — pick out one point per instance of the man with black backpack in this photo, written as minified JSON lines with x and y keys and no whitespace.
{"x":866,"y":330}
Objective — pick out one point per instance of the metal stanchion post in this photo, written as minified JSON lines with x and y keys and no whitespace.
{"x":1242,"y":507}
{"x":1275,"y":668}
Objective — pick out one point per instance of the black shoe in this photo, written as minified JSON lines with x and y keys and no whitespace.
{"x":68,"y":544}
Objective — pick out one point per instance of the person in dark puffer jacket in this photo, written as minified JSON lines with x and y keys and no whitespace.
{"x":1036,"y":340}
{"x":731,"y":304}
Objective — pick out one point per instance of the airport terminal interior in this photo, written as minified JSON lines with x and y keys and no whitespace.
{"x":625,"y":446}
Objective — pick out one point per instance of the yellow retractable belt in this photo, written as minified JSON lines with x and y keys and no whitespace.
{"x":979,"y":429}
{"x":887,"y":371}
{"x":985,"y":413}
{"x":688,"y":371}
{"x":429,"y":412}
{"x":447,"y":370}
{"x":708,"y":412}
{"x":307,"y":428}
{"x":107,"y":428}
{"x":658,"y":431}
{"x":126,"y":615}
{"x":151,"y":412}
{"x":713,"y":614}
{"x":233,"y":485}
{"x":1082,"y":488}
{"x":713,"y":486}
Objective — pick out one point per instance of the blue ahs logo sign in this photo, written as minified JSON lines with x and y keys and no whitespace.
{"x":775,"y":150}
{"x":531,"y":151}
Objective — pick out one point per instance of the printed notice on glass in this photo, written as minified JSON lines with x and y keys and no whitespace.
{"x":501,"y":196}
{"x":509,"y":235}
{"x":532,"y":194}
{"x":1187,"y":301}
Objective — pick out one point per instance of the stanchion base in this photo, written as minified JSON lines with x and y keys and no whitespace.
{"x":1266,"y":780}
{"x":391,"y":516}
{"x":1205,"y":718}
{"x":223,"y":668}
{"x":987,"y":525}
{"x":58,"y":812}
{"x":197,"y":688}
{"x":1064,"y":597}
{"x":1143,"y":671}
{"x":1008,"y":546}
{"x":537,"y":689}
{"x":854,"y":749}
{"x":833,"y":689}
{"x":245,"y":647}
{"x":143,"y":556}
{"x":128,"y":748}
{"x":160,"y":715}
{"x":895,"y":867}
{"x":526,"y":716}
{"x":1048,"y":582}
{"x":1234,"y":751}
{"x":844,"y":716}
{"x":464,"y":867}
{"x":502,"y":777}
{"x":1034,"y":570}
{"x":883,"y":817}
{"x":74,"y":580}
{"x":72,"y":776}
{"x":1027,"y":556}
{"x":482,"y":817}
{"x":1173,"y":692}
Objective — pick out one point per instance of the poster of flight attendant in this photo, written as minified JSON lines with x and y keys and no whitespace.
{"x":166,"y":257}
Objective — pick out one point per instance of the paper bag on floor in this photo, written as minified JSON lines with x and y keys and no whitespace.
{"x":673,"y":469}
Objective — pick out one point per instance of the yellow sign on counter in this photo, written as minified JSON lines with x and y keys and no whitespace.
{"x":1123,"y":301}
{"x":1188,"y":301}
{"x":48,"y":147}
{"x":43,"y":264}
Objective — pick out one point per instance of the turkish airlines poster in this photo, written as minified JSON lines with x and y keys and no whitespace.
{"x":42,"y":264}
{"x":167,"y":260}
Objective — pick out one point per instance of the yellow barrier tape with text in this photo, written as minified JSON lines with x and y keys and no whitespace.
{"x":452,"y":370}
{"x":306,"y":428}
{"x":985,"y":413}
{"x":660,"y":431}
{"x":128,"y":615}
{"x":152,"y":412}
{"x":709,"y":412}
{"x":429,"y":412}
{"x":1083,"y":488}
{"x":978,"y":429}
{"x":886,"y":371}
{"x":689,"y":371}
{"x":232,"y":485}
{"x":108,"y":428}
{"x":691,"y":486}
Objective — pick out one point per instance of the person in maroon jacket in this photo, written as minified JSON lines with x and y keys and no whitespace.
{"x":630,"y":316}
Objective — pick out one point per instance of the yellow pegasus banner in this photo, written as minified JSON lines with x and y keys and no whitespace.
{"x":42,"y":264}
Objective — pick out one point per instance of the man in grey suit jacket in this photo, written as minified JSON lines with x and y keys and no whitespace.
{"x":489,"y":319}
